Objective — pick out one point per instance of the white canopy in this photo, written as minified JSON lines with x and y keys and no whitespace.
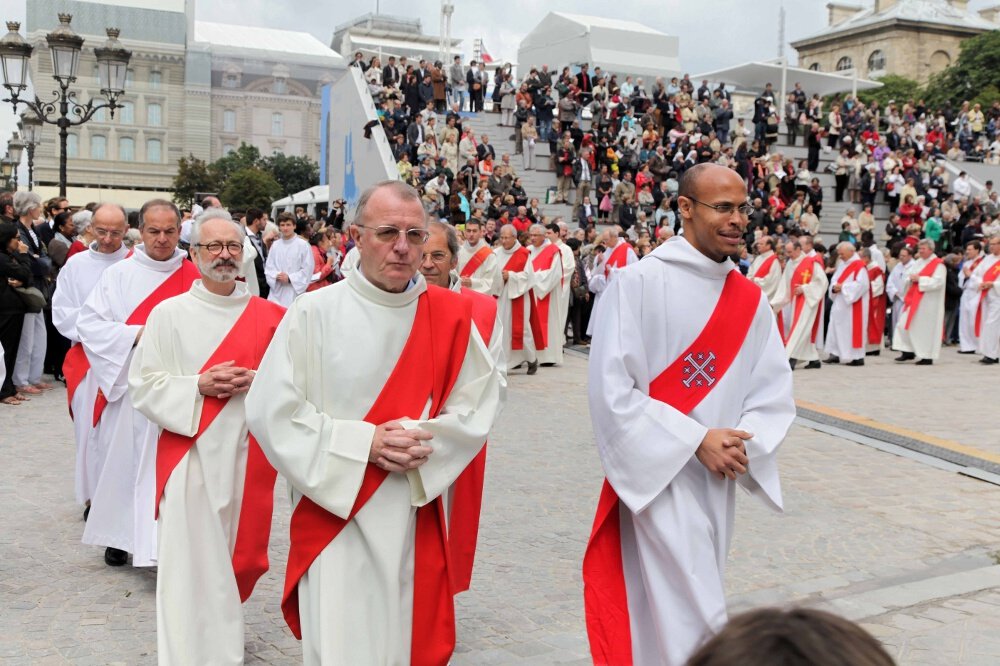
{"x":616,"y":46}
{"x":754,"y":76}
{"x":314,"y":195}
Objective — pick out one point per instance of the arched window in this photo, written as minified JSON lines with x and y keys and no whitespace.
{"x":228,"y":148}
{"x":228,"y":120}
{"x":876,"y":62}
{"x":153,"y":151}
{"x":126,"y":149}
{"x":72,"y":145}
{"x":155,"y":80}
{"x":277,"y":124}
{"x":844,"y":64}
{"x":126,"y":114}
{"x":154,"y":115}
{"x":814,"y":67}
{"x":940,"y":61}
{"x":98,"y":147}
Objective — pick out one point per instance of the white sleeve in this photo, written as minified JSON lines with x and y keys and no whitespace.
{"x":66,"y":304}
{"x":108,"y":343}
{"x":548,"y":280}
{"x":300,"y":279}
{"x":856,"y":287}
{"x":271,"y":267}
{"x":934,"y":282}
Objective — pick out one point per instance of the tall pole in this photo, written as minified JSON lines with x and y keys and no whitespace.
{"x":63,"y":124}
{"x":31,"y":166}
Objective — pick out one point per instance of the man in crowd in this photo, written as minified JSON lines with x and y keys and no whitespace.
{"x":370,"y":425}
{"x":969,"y":303}
{"x":75,"y":283}
{"x":765,"y":270}
{"x":477,"y":266}
{"x":215,"y":488}
{"x":617,"y":253}
{"x":917,"y":335}
{"x":546,"y":264}
{"x":849,"y":296}
{"x":514,"y":301}
{"x":558,"y":232}
{"x":254,"y":230}
{"x":799,"y":302}
{"x":687,"y":378}
{"x":877,"y":306}
{"x":110,"y":325}
{"x":289,"y":266}
{"x":986,"y":279}
{"x":895,"y":285}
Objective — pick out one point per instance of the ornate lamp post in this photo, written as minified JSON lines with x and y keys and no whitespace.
{"x":6,"y":169}
{"x":30,"y":126}
{"x":65,"y":46}
{"x":15,"y":148}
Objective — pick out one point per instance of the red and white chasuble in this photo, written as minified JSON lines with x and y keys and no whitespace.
{"x":987,"y":322}
{"x":480,"y":266}
{"x":876,"y":307}
{"x":546,"y":263}
{"x":801,"y":329}
{"x":613,"y":259}
{"x":968,"y":306}
{"x":683,"y":345}
{"x":921,"y":326}
{"x":214,"y":487}
{"x":368,"y":577}
{"x":514,"y":305}
{"x":848,"y":329}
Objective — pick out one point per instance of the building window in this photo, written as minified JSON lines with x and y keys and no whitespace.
{"x":154,"y":116}
{"x":126,"y":149}
{"x":876,"y":62}
{"x":126,"y":114}
{"x":277,"y":124}
{"x":153,"y":151}
{"x":101,"y":115}
{"x":98,"y":147}
{"x":228,"y":148}
{"x":940,"y":61}
{"x":280,"y":86}
{"x":228,"y":120}
{"x":155,"y":80}
{"x":814,"y":67}
{"x":97,"y":76}
{"x":231,"y":80}
{"x":129,"y":78}
{"x":72,"y":146}
{"x":845,"y":64}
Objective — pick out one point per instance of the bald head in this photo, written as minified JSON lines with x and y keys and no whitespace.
{"x":691,"y":182}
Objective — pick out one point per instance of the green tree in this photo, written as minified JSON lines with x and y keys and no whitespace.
{"x":292,"y":172}
{"x":244,"y":157}
{"x":894,"y":87}
{"x":193,"y":175}
{"x":973,"y":74}
{"x":250,"y":187}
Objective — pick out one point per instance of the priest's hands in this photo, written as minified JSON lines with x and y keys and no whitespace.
{"x":723,"y":452}
{"x":466,"y":282}
{"x":282,"y":277}
{"x":397,"y":449}
{"x":225,"y":380}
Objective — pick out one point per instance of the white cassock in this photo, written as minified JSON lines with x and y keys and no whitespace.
{"x":967,"y":306}
{"x":318,"y":380}
{"x":199,"y":615}
{"x":294,"y":258}
{"x":989,"y":332}
{"x":248,"y":271}
{"x":877,"y":289}
{"x":548,"y":282}
{"x":799,"y":343}
{"x":75,"y":282}
{"x":770,"y":282}
{"x":122,"y":513}
{"x":676,"y":517}
{"x":350,"y":261}
{"x":600,"y":276}
{"x":486,"y":276}
{"x":517,"y":287}
{"x":821,"y":262}
{"x":781,"y":301}
{"x":840,"y":336}
{"x":923,"y":338}
{"x":568,"y":267}
{"x":877,"y":256}
{"x":894,"y":287}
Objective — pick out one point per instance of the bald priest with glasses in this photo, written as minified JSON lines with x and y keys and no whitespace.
{"x":373,"y":397}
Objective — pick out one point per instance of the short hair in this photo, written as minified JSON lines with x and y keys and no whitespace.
{"x":285,"y":216}
{"x":866,"y":253}
{"x":52,"y":204}
{"x":768,"y":240}
{"x":536,"y":227}
{"x":82,"y":219}
{"x":61,"y":219}
{"x":158,"y":203}
{"x":474,"y":220}
{"x":508,"y":227}
{"x":211,"y":214}
{"x":553,"y":227}
{"x":254,"y":214}
{"x":688,"y":184}
{"x":450,"y":236}
{"x":25,"y":202}
{"x":108,"y":204}
{"x":976,"y":244}
{"x":403,"y":191}
{"x":926,"y":242}
{"x":845,"y":245}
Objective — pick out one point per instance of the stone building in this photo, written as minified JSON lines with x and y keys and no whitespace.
{"x":384,"y":36}
{"x":911,"y":38}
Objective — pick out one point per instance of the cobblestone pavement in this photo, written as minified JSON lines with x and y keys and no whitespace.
{"x":907,"y":549}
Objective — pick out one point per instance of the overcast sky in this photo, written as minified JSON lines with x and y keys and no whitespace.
{"x":713,"y":34}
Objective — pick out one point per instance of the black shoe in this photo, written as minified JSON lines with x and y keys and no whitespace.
{"x":791,"y":363}
{"x":548,"y":365}
{"x":86,"y":513}
{"x":874,"y":353}
{"x":966,"y":352}
{"x":532,"y":367}
{"x":986,"y":360}
{"x":906,"y":356}
{"x":832,"y":360}
{"x":115,"y":558}
{"x":857,"y":361}
{"x":813,"y":365}
{"x":924,"y":361}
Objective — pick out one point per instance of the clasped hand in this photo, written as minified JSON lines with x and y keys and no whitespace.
{"x":723,"y":452}
{"x":399,"y":449}
{"x":225,"y":380}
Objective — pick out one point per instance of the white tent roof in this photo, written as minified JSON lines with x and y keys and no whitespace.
{"x":269,"y":43}
{"x":616,"y":46}
{"x":754,"y":76}
{"x":315,"y":194}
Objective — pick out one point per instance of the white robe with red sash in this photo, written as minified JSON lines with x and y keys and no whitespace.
{"x":765,"y":271}
{"x":75,"y":282}
{"x":848,"y":329}
{"x":217,"y":487}
{"x":514,"y":305}
{"x":546,"y":293}
{"x":921,"y":324}
{"x":987,"y":317}
{"x":654,"y":569}
{"x":803,"y":322}
{"x":968,"y":306}
{"x":122,"y":513}
{"x":877,"y":307}
{"x":369,"y":595}
{"x":480,"y":265}
{"x":613,"y":259}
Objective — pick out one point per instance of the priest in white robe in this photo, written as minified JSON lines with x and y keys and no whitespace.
{"x":809,"y":250}
{"x":370,"y":424}
{"x":877,"y":305}
{"x":690,"y":396}
{"x":477,"y":266}
{"x":122,"y":513}
{"x":546,"y":296}
{"x":76,"y":281}
{"x":919,"y":332}
{"x":765,"y":269}
{"x":568,"y":260}
{"x":849,"y":296}
{"x":514,"y":301}
{"x":986,"y":280}
{"x":617,"y":254}
{"x":289,"y":266}
{"x":215,"y":488}
{"x":969,"y":302}
{"x":800,"y":301}
{"x":895,"y":284}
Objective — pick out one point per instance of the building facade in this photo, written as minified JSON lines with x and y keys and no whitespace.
{"x":911,"y":38}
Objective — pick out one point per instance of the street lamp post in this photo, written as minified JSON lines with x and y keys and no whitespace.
{"x":15,"y":148}
{"x":31,"y":133}
{"x":6,"y":169}
{"x":65,"y":46}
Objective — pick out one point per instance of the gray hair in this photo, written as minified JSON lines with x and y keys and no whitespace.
{"x":845,"y":244}
{"x":537,"y":227}
{"x":509,"y":227}
{"x":158,"y":203}
{"x":449,"y":233}
{"x":212,"y":214}
{"x":25,"y":202}
{"x":82,"y":220}
{"x":403,"y":191}
{"x":927,"y":242}
{"x":865,"y":253}
{"x":108,"y":204}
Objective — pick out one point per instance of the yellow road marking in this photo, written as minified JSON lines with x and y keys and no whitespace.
{"x":904,"y":432}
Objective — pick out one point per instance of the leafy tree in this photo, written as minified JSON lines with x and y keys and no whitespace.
{"x":292,"y":172}
{"x":244,"y":157}
{"x":193,"y":175}
{"x":250,"y":187}
{"x":894,"y":87}
{"x":972,"y":75}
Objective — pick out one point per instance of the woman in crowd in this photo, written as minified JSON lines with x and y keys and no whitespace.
{"x":84,"y":234}
{"x":15,"y":271}
{"x":322,"y":261}
{"x":31,"y":352}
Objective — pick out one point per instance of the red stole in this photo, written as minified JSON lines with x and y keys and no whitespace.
{"x":427,"y":368}
{"x":176,"y":284}
{"x":913,"y":294}
{"x":517,"y":262}
{"x":992,"y":274}
{"x":765,"y":267}
{"x":467,"y":493}
{"x":540,"y":306}
{"x":876,"y":309}
{"x":802,"y":275}
{"x":618,"y":258}
{"x":476,"y":261}
{"x":604,"y":590}
{"x":857,"y":308}
{"x":75,"y":368}
{"x":245,"y":344}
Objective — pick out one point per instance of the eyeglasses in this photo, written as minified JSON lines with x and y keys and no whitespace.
{"x":215,"y":247}
{"x":389,"y":234}
{"x":437,"y":257}
{"x":745,"y":209}
{"x":105,"y":233}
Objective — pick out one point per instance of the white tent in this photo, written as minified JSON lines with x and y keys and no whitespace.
{"x":616,"y":46}
{"x":318,"y":194}
{"x":755,"y":75}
